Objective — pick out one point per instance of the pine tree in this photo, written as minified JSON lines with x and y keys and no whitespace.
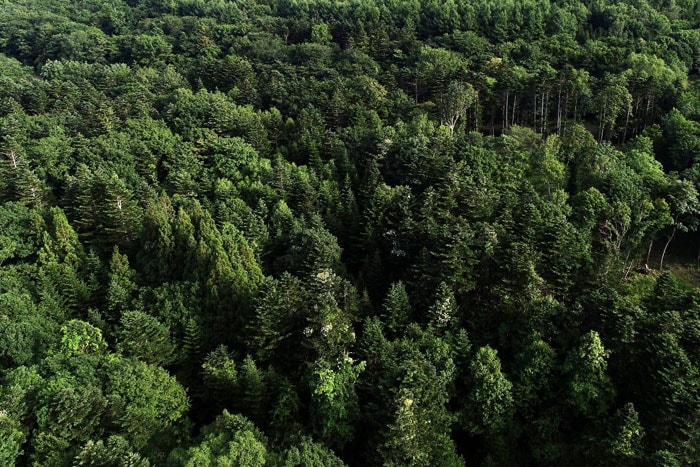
{"x":122,"y":283}
{"x":397,"y":309}
{"x":490,"y":405}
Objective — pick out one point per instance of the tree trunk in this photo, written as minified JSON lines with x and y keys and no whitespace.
{"x":663,"y":253}
{"x":651,"y":244}
{"x":476,"y":113}
{"x":534,"y":114}
{"x":646,"y":111}
{"x":559,"y":113}
{"x":545,"y":109}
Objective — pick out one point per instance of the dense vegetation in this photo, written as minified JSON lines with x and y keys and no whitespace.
{"x":317,"y":233}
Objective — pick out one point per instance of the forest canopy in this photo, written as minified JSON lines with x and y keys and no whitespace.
{"x":327,"y":233}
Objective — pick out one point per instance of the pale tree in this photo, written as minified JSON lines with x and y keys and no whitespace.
{"x":614,"y":98}
{"x":454,"y":103}
{"x":685,"y":207}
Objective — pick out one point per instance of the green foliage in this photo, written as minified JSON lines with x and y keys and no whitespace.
{"x":121,"y":282}
{"x":144,"y":337}
{"x":230,"y":440}
{"x":307,"y":453}
{"x":397,"y":308}
{"x":146,"y":403}
{"x":490,"y":403}
{"x":13,"y":438}
{"x":590,"y":389}
{"x":116,"y":452}
{"x":80,"y":338}
{"x":16,"y":242}
{"x":334,"y":403}
{"x":228,"y":188}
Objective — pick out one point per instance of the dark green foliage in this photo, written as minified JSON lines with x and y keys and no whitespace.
{"x":425,"y":232}
{"x":12,"y":439}
{"x":307,"y":453}
{"x":230,"y":440}
{"x":147,"y":404}
{"x":116,"y":452}
{"x":142,"y":336}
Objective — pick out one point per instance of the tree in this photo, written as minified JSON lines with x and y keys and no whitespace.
{"x":397,"y":308}
{"x":80,"y":338}
{"x":144,"y":337}
{"x":454,"y":103}
{"x":102,"y":208}
{"x":11,"y":440}
{"x":122,"y":286}
{"x":307,"y":453}
{"x":680,"y":141}
{"x":413,"y":440}
{"x":685,"y":207}
{"x":590,"y":390}
{"x":614,"y":98}
{"x":16,"y":239}
{"x":443,"y":313}
{"x":146,"y":403}
{"x":627,"y":434}
{"x":230,"y":440}
{"x":490,"y":403}
{"x":334,"y":402}
{"x":116,"y":452}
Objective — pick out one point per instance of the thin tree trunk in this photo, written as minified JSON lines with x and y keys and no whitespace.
{"x":534,"y":114}
{"x":566,"y":113}
{"x":507,"y":107}
{"x":559,"y":113}
{"x":646,"y":111}
{"x":545,"y":111}
{"x":651,"y":244}
{"x":475,"y":116}
{"x":663,"y":253}
{"x":627,"y":121}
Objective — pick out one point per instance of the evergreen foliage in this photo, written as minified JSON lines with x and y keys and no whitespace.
{"x":316,"y":233}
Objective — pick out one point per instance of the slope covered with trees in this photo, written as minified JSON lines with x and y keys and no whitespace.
{"x":319,"y":233}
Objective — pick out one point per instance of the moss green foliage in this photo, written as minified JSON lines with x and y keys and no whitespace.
{"x":369,"y":232}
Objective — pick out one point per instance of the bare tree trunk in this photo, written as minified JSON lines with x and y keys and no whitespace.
{"x":512,"y":117}
{"x":476,"y":113}
{"x":534,"y":114}
{"x":559,"y":113}
{"x":651,"y":244}
{"x":627,"y":121}
{"x":663,"y":253}
{"x":545,"y":111}
{"x":566,"y":113}
{"x":505,"y":112}
{"x":646,"y":111}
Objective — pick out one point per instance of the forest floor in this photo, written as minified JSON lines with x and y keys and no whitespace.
{"x":681,"y":259}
